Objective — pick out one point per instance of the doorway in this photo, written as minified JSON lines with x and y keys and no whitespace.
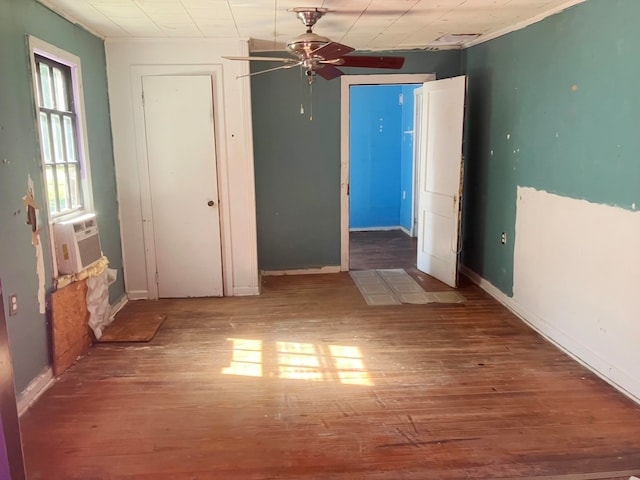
{"x":347,"y":82}
{"x":381,"y":220}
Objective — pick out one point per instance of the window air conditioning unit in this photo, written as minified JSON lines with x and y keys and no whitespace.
{"x":77,"y":243}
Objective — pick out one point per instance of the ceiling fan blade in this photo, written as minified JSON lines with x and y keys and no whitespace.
{"x":371,"y":61}
{"x":281,"y":67}
{"x":332,"y":50}
{"x":329,"y":72}
{"x":263,"y":59}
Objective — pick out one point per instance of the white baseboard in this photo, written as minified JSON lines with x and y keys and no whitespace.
{"x":33,"y":391}
{"x":581,"y":354}
{"x":119,"y":305}
{"x":383,"y":229}
{"x":237,"y":292}
{"x":406,"y":231}
{"x":245,"y":291}
{"x":138,"y":295}
{"x":302,"y":271}
{"x":376,"y":229}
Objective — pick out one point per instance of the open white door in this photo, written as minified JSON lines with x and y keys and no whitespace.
{"x":440,"y":178}
{"x":181,"y":153}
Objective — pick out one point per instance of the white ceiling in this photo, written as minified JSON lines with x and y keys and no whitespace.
{"x":362,"y":24}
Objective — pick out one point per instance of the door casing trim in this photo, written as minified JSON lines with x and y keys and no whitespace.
{"x":215,"y":71}
{"x":345,"y":112}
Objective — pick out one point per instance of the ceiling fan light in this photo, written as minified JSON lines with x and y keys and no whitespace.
{"x":304,"y":44}
{"x":319,"y":55}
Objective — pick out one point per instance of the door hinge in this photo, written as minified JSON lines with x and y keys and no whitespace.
{"x":157,"y":279}
{"x":348,"y":188}
{"x":142,"y":95}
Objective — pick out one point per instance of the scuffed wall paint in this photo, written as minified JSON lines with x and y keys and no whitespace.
{"x":29,"y":332}
{"x":33,"y":219}
{"x":576,"y":271}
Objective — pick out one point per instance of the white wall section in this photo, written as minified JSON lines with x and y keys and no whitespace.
{"x":127,"y":62}
{"x":576,"y":274}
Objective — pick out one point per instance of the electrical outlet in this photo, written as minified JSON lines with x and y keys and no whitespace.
{"x":503,"y":238}
{"x":13,"y":304}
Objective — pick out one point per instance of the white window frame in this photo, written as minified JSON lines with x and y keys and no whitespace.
{"x":44,"y":49}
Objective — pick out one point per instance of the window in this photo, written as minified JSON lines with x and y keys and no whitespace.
{"x":57,"y":120}
{"x":65,"y":164}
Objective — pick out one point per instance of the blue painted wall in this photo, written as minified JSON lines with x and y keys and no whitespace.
{"x":406,"y":168}
{"x":381,"y":156}
{"x":375,"y":156}
{"x":555,"y":106}
{"x":20,"y":158}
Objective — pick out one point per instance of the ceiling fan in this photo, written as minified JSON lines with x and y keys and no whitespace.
{"x":319,"y":55}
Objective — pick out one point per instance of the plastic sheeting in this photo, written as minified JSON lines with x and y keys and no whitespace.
{"x":98,"y":300}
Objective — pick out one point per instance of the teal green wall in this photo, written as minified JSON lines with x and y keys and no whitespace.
{"x":566,"y":92}
{"x":297,"y":161}
{"x":28,"y":330}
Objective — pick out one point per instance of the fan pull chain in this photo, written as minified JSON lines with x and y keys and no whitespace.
{"x":301,"y":92}
{"x":311,"y":102}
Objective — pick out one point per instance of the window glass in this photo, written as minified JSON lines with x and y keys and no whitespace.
{"x":59,"y":136}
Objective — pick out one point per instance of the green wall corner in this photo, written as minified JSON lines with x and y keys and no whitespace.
{"x":554,"y":106}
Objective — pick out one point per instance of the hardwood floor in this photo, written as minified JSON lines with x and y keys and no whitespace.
{"x":381,"y":249}
{"x":390,"y":249}
{"x":306,"y":381}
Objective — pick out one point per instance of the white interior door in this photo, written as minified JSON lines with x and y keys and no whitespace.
{"x":181,"y":154}
{"x":440,"y":178}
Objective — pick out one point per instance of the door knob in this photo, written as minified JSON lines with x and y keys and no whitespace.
{"x":211,"y":203}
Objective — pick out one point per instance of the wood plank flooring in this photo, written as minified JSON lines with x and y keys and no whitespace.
{"x":381,"y":249}
{"x":306,"y":381}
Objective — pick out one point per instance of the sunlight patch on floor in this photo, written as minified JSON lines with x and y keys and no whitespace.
{"x":247,"y":358}
{"x":298,"y":361}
